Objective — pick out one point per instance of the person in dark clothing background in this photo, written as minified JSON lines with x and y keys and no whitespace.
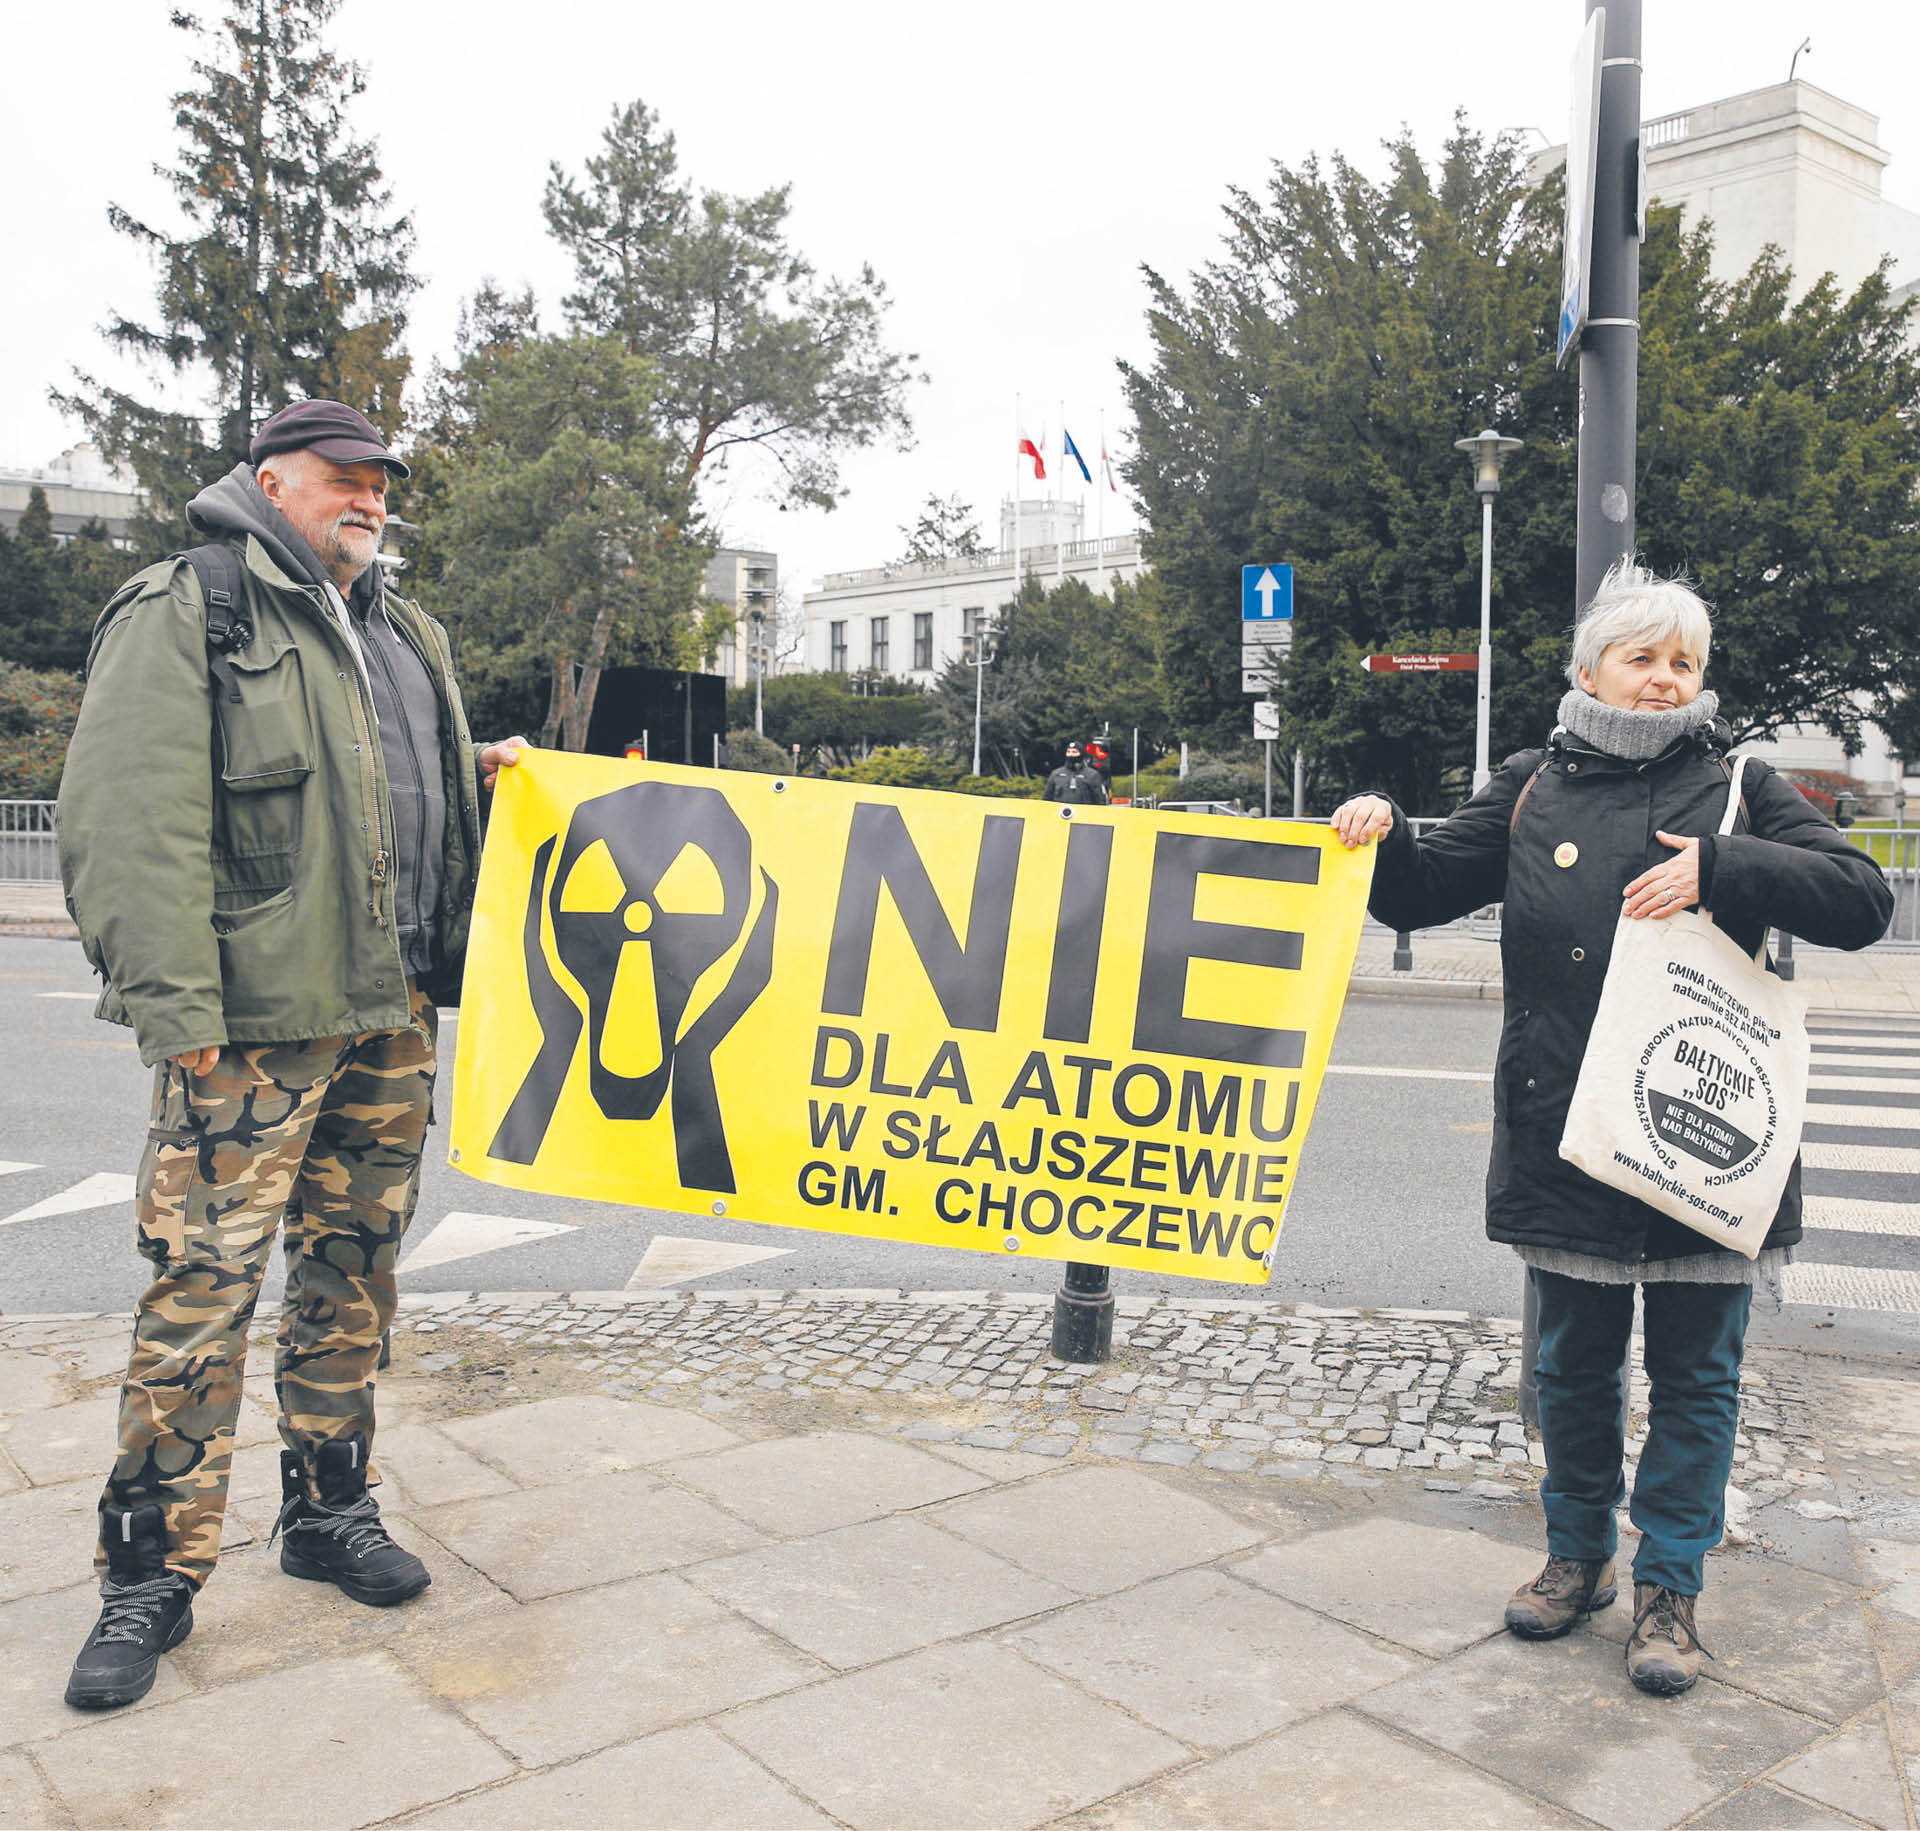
{"x":1618,"y":815}
{"x":1076,"y":781}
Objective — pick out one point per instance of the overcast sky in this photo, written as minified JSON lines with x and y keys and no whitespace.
{"x":1006,"y":168}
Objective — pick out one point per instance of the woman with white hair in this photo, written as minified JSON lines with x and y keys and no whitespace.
{"x":1619,"y":815}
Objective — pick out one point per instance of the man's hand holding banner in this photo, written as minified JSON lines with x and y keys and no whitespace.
{"x":1068,"y":1032}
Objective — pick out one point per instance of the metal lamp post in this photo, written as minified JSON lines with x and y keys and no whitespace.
{"x":981,"y":631}
{"x":1487,"y":450}
{"x":758,"y":619}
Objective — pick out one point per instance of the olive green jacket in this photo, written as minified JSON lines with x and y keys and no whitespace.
{"x":228,"y":864}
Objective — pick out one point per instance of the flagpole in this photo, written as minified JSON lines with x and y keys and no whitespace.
{"x":1100,"y":492}
{"x":1019,"y":464}
{"x":1059,"y":516}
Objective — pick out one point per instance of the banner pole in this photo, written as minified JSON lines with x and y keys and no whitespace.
{"x":1083,"y":1315}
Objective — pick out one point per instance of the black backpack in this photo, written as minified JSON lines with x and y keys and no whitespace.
{"x":217,"y":567}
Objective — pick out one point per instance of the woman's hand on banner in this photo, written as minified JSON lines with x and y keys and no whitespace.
{"x":1667,"y":888}
{"x":1363,"y":820}
{"x":496,"y":757}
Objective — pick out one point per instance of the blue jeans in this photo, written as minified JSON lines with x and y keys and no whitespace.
{"x":1694,"y":1334}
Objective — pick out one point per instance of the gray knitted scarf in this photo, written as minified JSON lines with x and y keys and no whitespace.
{"x":1637,"y":737}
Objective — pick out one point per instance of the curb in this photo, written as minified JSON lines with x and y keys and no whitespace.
{"x":1408,"y":985}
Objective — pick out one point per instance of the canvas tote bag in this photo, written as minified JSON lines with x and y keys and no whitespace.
{"x":1694,"y":1085}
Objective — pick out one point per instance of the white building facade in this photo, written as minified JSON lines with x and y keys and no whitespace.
{"x":1793,"y":167}
{"x":911,"y":619}
{"x":747,"y":580}
{"x":81,"y":487}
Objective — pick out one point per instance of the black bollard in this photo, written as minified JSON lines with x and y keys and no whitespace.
{"x":1083,"y":1315}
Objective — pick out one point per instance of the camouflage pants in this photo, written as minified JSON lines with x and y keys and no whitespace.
{"x":327,"y":1134}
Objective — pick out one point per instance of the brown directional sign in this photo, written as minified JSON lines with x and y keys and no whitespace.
{"x":1420,"y":664}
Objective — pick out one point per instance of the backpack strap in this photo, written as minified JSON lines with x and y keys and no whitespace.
{"x":229,"y":629}
{"x":1526,"y":788}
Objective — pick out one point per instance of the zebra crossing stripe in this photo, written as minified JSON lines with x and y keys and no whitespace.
{"x":1908,"y":1084}
{"x":1884,"y":1158}
{"x":1848,"y":1214}
{"x":1853,"y":1287}
{"x":1865,"y":1063}
{"x":1880,"y":1118}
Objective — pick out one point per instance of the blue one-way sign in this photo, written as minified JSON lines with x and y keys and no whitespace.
{"x":1266,"y":593}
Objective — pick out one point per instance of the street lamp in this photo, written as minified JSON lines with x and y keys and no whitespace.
{"x":757,"y":618}
{"x":979,"y":639}
{"x":1486,"y":450}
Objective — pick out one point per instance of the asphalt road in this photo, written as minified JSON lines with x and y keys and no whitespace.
{"x":1387,"y":1210}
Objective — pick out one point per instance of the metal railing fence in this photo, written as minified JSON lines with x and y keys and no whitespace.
{"x":29,"y":852}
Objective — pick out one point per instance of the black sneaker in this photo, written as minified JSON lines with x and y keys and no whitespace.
{"x":339,"y":1538}
{"x":146,"y":1610}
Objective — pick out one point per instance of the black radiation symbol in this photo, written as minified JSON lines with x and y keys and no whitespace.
{"x":645,"y":831}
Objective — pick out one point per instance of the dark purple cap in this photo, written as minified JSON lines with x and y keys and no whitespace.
{"x":332,"y":429}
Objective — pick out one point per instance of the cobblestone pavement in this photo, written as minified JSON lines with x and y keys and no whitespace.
{"x":1272,"y":1390}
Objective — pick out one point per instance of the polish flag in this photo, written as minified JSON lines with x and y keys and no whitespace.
{"x":1028,"y":449}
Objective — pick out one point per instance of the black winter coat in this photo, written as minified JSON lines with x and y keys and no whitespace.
{"x":1784,"y":867}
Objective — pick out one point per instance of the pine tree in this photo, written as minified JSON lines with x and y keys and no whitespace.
{"x":751,"y":346}
{"x":290,"y":275}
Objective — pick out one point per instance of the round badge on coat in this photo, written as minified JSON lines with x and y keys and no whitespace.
{"x":1565,"y":854}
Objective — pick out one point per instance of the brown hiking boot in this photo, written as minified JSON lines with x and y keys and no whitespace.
{"x":1567,"y":1589}
{"x":1663,"y":1653}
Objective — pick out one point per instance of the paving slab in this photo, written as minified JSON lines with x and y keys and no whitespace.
{"x":41,"y":1634}
{"x":1433,"y":1588}
{"x":1784,"y":1633}
{"x":1855,"y":1771}
{"x":25,"y":1804}
{"x":253,"y":1617}
{"x":581,"y":1533}
{"x":1096,"y":1529}
{"x":428,"y":1469}
{"x":28,"y":1382}
{"x":76,"y":1441}
{"x":868,"y":1592}
{"x":554,"y":1440}
{"x":47,"y":1537}
{"x":286,"y":1748}
{"x":662,"y":1653}
{"x":1332,"y":1772}
{"x":96,"y":1358}
{"x":974,"y":1736}
{"x":997,"y":1465}
{"x":1761,"y":1807}
{"x":11,"y":1480}
{"x":1560,"y":1720}
{"x":678,"y":1780}
{"x":1892,"y":1567}
{"x":1207,"y":1659}
{"x":790,"y":1486}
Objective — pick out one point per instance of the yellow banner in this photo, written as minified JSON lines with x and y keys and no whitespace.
{"x":1072,"y":1033}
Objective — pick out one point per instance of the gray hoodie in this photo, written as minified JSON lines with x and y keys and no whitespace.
{"x":405,"y":703}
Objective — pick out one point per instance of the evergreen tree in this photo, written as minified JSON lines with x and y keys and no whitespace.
{"x":752,"y":347}
{"x":945,"y":528}
{"x":554,"y":540}
{"x":1303,"y":399}
{"x":289,"y":277}
{"x":29,"y":585}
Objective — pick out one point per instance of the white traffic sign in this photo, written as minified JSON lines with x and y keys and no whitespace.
{"x":1583,"y":144}
{"x":1266,"y":719}
{"x":1266,"y":635}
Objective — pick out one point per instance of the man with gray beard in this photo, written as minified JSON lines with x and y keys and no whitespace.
{"x":269,"y":833}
